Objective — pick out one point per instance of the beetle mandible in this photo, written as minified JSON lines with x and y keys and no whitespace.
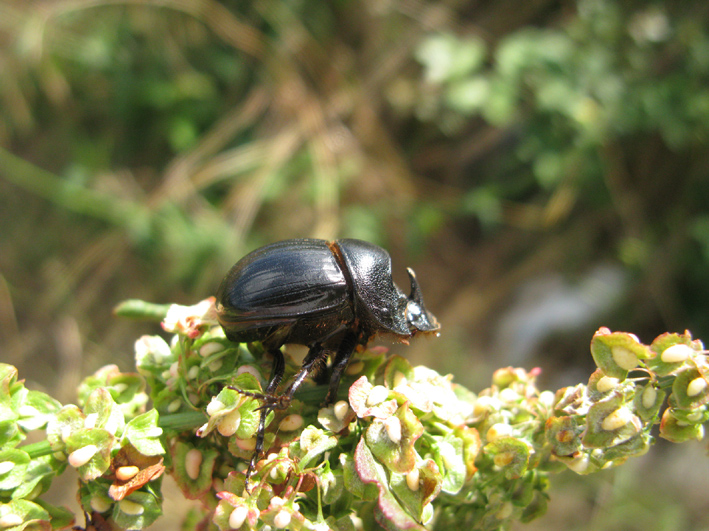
{"x":328,"y":296}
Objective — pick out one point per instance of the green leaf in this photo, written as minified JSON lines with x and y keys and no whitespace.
{"x":29,"y":514}
{"x":392,"y":439}
{"x":137,"y":511}
{"x":193,"y":469}
{"x":389,"y":513}
{"x":13,"y":465}
{"x":144,"y":434}
{"x":616,"y":353}
{"x":100,"y":460}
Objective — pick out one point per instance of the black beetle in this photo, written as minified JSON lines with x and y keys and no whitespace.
{"x":329,"y":296}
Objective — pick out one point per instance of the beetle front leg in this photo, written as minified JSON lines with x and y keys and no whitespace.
{"x":277,"y":370}
{"x":339,"y":364}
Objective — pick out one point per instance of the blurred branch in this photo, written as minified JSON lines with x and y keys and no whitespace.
{"x":73,"y":197}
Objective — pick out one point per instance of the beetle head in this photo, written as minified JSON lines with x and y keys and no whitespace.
{"x":418,"y":317}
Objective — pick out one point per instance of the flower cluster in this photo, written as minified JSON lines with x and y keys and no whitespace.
{"x":403,"y":446}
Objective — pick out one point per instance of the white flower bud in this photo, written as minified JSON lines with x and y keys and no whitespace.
{"x":210,"y":348}
{"x":229,"y":423}
{"x":606,"y":383}
{"x":124,"y":473}
{"x":377,"y":395}
{"x":624,"y":358}
{"x":154,"y":432}
{"x":90,"y":421}
{"x":174,"y":406}
{"x":100,"y":504}
{"x":617,"y":419}
{"x":130,"y":507}
{"x":399,"y":378}
{"x":341,"y":409}
{"x":579,"y":464}
{"x":291,"y":422}
{"x":193,"y":372}
{"x":214,"y":406}
{"x":193,"y":463}
{"x":246,"y":444}
{"x":412,"y":479}
{"x":696,"y":386}
{"x":509,"y":395}
{"x":393,"y":428}
{"x":82,"y":455}
{"x":238,"y":516}
{"x":498,"y":430}
{"x":649,"y":396}
{"x":10,"y":520}
{"x":282,"y":519}
{"x":677,"y":353}
{"x":354,"y":368}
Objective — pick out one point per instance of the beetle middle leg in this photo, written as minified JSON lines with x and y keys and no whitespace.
{"x":339,"y":364}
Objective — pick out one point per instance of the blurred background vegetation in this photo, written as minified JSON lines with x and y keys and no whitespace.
{"x":542,"y":165}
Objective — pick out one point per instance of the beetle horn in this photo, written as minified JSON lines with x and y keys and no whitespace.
{"x":418,"y":317}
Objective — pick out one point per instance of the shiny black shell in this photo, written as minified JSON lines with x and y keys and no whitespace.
{"x":306,"y":290}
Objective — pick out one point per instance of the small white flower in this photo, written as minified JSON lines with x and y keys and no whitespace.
{"x":617,"y":419}
{"x":282,"y":519}
{"x":100,"y":504}
{"x":6,"y":466}
{"x":649,"y":396}
{"x":624,"y":358}
{"x":124,"y":473}
{"x":606,"y":383}
{"x":498,"y":430}
{"x":291,"y":422}
{"x":412,"y":479}
{"x":10,"y":520}
{"x":130,"y":507}
{"x":340,"y":409}
{"x":238,"y":516}
{"x":677,"y":353}
{"x":215,"y":406}
{"x":193,"y":463}
{"x":393,"y":429}
{"x":229,"y":423}
{"x":82,"y":455}
{"x":377,"y":395}
{"x":696,"y":386}
{"x":209,"y":348}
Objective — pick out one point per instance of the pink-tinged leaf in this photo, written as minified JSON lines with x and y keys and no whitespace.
{"x":362,"y":403}
{"x":398,"y":455}
{"x":389,"y":513}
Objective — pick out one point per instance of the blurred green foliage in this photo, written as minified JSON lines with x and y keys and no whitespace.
{"x":145,"y":145}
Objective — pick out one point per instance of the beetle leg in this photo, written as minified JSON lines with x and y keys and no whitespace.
{"x":316,"y":355}
{"x":277,"y":370}
{"x":339,"y":364}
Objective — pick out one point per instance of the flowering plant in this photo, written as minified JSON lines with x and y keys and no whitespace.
{"x":402,"y":445}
